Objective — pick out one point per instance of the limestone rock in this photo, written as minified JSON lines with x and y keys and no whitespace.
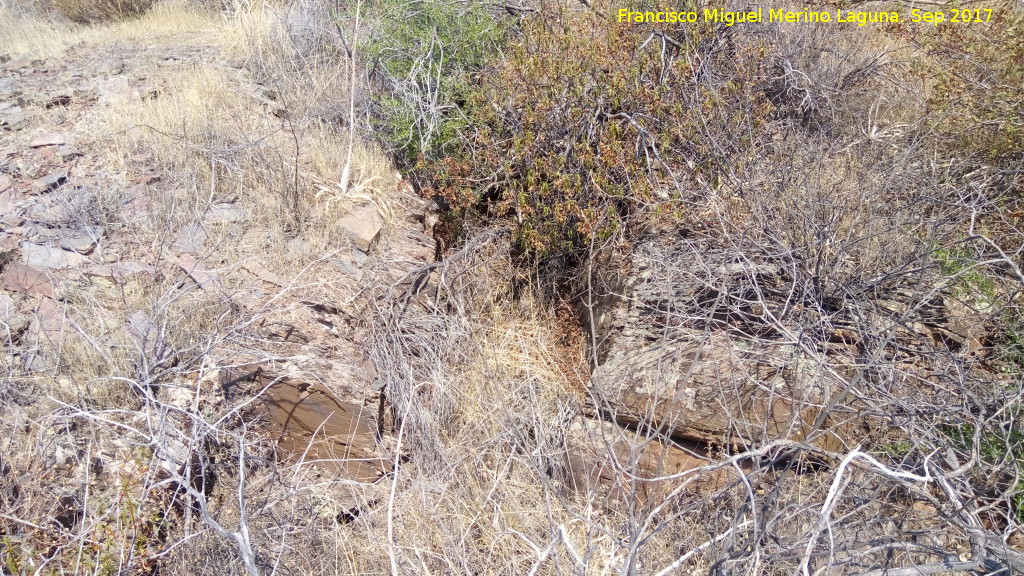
{"x":82,"y":244}
{"x":116,"y":91}
{"x":311,"y":425}
{"x":25,"y":279}
{"x":47,"y":139}
{"x":43,"y":256}
{"x":50,"y":182}
{"x":363,"y":226}
{"x":224,"y":214}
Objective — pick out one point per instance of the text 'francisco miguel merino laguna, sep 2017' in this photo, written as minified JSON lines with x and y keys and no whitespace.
{"x":730,"y":18}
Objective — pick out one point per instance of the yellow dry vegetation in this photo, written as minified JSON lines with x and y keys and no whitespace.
{"x":32,"y":33}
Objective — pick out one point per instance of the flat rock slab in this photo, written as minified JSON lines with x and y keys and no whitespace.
{"x":312,"y":426}
{"x":116,"y":91}
{"x":6,"y":201}
{"x":47,"y":139}
{"x":8,"y":242}
{"x":597,"y":453}
{"x":50,"y":182}
{"x":140,"y":328}
{"x":67,"y":153}
{"x":119,"y":272}
{"x":5,"y":184}
{"x":24,"y":279}
{"x":257,"y":269}
{"x":205,"y":278}
{"x":50,"y":322}
{"x":224,"y":214}
{"x":363,"y":226}
{"x":82,"y":244}
{"x":15,"y":120}
{"x":43,"y":256}
{"x":343,"y":266}
{"x":12,"y":321}
{"x":190,"y":238}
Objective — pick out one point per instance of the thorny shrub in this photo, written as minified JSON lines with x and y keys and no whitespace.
{"x":586,"y":121}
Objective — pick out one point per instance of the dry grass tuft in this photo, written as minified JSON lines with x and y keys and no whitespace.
{"x":99,"y":11}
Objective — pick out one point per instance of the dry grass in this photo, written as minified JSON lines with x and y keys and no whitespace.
{"x":33,"y":33}
{"x":98,"y":11}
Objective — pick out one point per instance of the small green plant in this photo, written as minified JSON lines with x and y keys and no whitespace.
{"x":970,"y":281}
{"x":99,"y":11}
{"x":1000,"y":446}
{"x":897,"y":450}
{"x":1010,"y":345}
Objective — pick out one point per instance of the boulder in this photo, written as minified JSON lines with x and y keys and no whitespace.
{"x":363,"y":227}
{"x":677,"y":353}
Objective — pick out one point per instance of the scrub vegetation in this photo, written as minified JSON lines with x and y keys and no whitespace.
{"x":647,"y":298}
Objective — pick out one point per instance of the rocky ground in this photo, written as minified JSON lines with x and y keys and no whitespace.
{"x":205,"y":334}
{"x":85,"y":245}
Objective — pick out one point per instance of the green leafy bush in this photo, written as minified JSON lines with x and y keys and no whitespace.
{"x":424,"y":56}
{"x":98,"y":11}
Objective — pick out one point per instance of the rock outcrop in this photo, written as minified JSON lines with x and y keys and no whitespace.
{"x":706,"y":348}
